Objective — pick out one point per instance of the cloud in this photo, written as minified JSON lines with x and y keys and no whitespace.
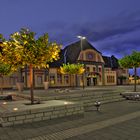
{"x":118,"y":35}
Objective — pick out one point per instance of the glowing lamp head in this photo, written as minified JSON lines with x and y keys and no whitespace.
{"x":4,"y":103}
{"x":15,"y":109}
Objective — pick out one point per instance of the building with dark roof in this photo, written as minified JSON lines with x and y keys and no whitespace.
{"x":99,"y":70}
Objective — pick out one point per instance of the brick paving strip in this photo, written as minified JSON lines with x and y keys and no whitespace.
{"x":65,"y":134}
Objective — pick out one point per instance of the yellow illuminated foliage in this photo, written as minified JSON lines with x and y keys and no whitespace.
{"x":24,"y":49}
{"x":72,"y":69}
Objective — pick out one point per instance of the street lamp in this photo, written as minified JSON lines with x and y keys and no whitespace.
{"x":82,"y":38}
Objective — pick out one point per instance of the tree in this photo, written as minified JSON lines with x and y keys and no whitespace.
{"x":72,"y":69}
{"x":23,"y":49}
{"x":5,"y":69}
{"x":122,"y":78}
{"x":131,"y":61}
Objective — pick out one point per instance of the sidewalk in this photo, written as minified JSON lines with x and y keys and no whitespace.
{"x":81,"y":127}
{"x":88,"y":128}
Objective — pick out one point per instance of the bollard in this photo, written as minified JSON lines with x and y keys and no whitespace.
{"x":97,"y":104}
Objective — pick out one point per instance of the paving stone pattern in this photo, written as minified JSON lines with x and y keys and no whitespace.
{"x":111,"y":111}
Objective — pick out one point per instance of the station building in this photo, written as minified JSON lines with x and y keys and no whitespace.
{"x":99,"y":69}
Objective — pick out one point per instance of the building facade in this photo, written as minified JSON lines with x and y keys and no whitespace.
{"x":99,"y":70}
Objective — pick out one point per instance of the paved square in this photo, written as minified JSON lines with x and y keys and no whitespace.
{"x":115,"y":121}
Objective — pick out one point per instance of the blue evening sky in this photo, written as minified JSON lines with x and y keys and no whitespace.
{"x":112,"y":26}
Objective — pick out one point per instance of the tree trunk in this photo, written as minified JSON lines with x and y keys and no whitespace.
{"x":31,"y":83}
{"x":20,"y":75}
{"x":83,"y":81}
{"x":135,"y":78}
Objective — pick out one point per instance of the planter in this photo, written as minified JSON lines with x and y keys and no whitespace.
{"x":20,"y":86}
{"x":46,"y":85}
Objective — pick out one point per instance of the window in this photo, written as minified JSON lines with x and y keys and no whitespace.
{"x":94,"y":69}
{"x":87,"y":69}
{"x":59,"y":78}
{"x":110,"y":79}
{"x":100,"y":69}
{"x":66,"y":79}
{"x":52,"y":79}
{"x":39,"y":80}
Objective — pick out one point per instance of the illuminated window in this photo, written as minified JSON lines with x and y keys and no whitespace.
{"x":52,"y":79}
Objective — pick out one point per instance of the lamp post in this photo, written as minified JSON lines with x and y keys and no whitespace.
{"x":82,"y":38}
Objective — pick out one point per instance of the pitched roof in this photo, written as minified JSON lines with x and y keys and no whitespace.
{"x":72,"y":51}
{"x":111,"y":62}
{"x":107,"y":61}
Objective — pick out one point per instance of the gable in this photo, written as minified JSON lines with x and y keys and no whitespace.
{"x":90,"y":55}
{"x":73,"y":50}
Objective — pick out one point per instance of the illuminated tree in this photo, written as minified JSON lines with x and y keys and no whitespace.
{"x":24,"y":49}
{"x":4,"y":68}
{"x":72,"y":69}
{"x":131,"y":61}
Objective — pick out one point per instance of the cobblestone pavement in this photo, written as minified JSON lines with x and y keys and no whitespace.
{"x":128,"y":130}
{"x":119,"y":120}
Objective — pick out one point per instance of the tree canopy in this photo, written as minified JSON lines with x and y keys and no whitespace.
{"x":5,"y":69}
{"x":131,"y":61}
{"x":24,"y":49}
{"x":72,"y":69}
